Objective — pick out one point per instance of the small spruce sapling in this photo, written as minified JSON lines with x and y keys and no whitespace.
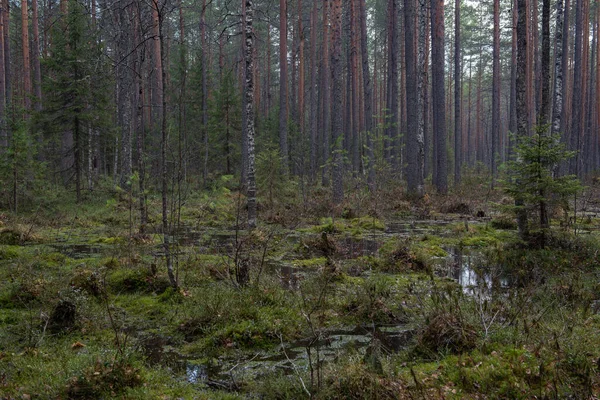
{"x":534,"y":181}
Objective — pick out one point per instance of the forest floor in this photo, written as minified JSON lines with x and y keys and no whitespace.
{"x":387,"y":300}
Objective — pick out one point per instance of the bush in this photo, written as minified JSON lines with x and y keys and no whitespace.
{"x":102,"y":378}
{"x":446,"y":331}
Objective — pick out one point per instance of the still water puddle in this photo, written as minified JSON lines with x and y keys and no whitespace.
{"x":293,"y":357}
{"x":468,"y":267}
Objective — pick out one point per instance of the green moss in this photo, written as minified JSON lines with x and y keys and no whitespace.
{"x":310,"y":262}
{"x":355,"y":226}
{"x":109,"y":240}
{"x":54,"y":258}
{"x":8,"y":252}
{"x":367,"y":223}
{"x":137,"y":280}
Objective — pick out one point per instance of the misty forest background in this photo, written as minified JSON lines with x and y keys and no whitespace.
{"x":366,"y":93}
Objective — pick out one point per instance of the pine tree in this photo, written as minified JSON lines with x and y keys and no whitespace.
{"x":75,"y":86}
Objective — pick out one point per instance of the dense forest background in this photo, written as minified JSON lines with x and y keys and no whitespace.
{"x":376,"y":92}
{"x":332,"y":199}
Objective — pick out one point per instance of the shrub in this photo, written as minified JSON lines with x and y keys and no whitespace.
{"x":104,"y":377}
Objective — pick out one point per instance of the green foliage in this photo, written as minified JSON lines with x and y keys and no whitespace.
{"x":225,"y":124}
{"x":533,"y":177}
{"x":20,"y":173}
{"x":76,"y":99}
{"x":104,"y":377}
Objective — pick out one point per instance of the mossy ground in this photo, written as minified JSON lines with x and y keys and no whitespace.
{"x":311,"y":274}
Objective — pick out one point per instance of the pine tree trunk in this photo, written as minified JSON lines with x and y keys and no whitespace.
{"x":301,"y":80}
{"x":7,"y":58}
{"x":159,"y":53}
{"x":337,"y":101}
{"x":424,"y":32}
{"x":140,"y":126}
{"x":35,"y":55}
{"x":392,"y":153}
{"x":158,"y":68}
{"x":326,"y":89}
{"x":457,"y":94}
{"x":439,"y":96}
{"x":576,"y":114}
{"x":544,"y":106}
{"x":413,"y":178}
{"x":3,"y":68}
{"x":204,"y":61}
{"x":496,"y":91}
{"x":563,"y":168}
{"x":470,"y":139}
{"x":596,"y":137}
{"x":557,"y":104}
{"x":512,"y":119}
{"x":522,"y":109}
{"x":355,"y":91}
{"x":283,"y":92}
{"x":313,"y":92}
{"x":249,"y":61}
{"x":26,"y":58}
{"x":368,"y":97}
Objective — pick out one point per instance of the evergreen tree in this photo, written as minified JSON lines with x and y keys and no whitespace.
{"x":536,"y":184}
{"x":225,"y":124}
{"x":76,"y":85}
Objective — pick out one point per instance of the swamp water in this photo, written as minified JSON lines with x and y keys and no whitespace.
{"x":464,"y":266}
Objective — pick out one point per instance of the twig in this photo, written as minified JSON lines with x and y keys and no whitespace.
{"x":295,"y":368}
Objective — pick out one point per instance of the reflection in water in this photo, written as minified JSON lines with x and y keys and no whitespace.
{"x":196,"y":373}
{"x":291,"y":356}
{"x":77,"y":251}
{"x":468,"y":268}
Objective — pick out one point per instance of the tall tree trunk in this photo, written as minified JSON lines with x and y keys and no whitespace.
{"x":368,"y":97}
{"x":313,"y":92}
{"x":7,"y":58}
{"x":596,"y":137}
{"x":470,"y":140}
{"x":401,"y":130}
{"x":439,"y":96}
{"x":512,"y":119}
{"x":326,"y":72}
{"x":585,"y":72}
{"x":159,"y":52}
{"x":337,"y":101}
{"x":564,"y":119}
{"x":35,"y":55}
{"x":522,"y":109}
{"x":283,"y":92}
{"x":496,"y":91}
{"x":355,"y":91}
{"x":424,"y":32}
{"x":204,"y":62}
{"x":26,"y":58}
{"x":392,"y":153}
{"x":301,"y":81}
{"x":557,"y":104}
{"x":577,"y":114}
{"x":413,"y":178}
{"x":251,"y":184}
{"x":3,"y":68}
{"x":544,"y":105}
{"x":242,"y":68}
{"x":158,"y":91}
{"x":458,"y":91}
{"x":140,"y":124}
{"x":530,"y":92}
